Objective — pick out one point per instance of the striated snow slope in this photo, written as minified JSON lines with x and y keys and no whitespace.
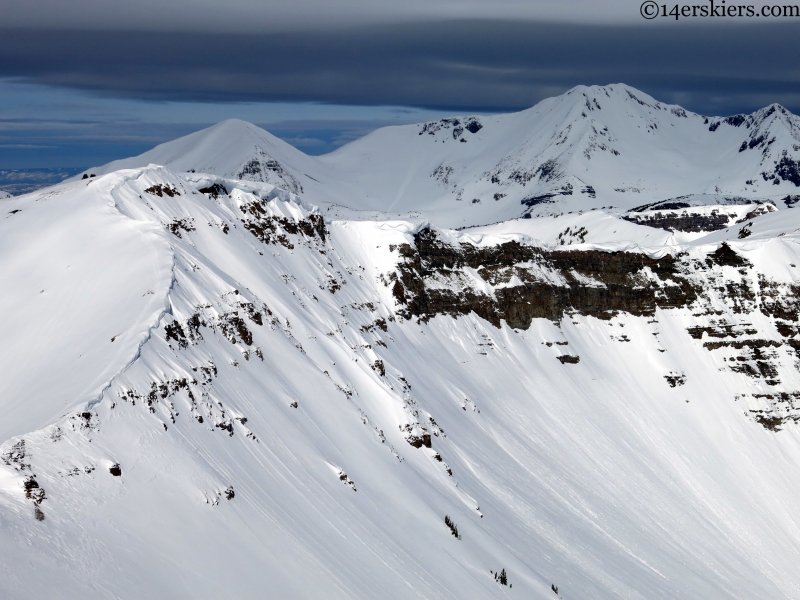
{"x":220,"y":394}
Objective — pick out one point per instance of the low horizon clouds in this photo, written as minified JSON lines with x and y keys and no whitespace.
{"x":455,"y":65}
{"x":43,"y":126}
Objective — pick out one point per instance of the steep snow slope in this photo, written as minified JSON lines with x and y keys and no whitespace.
{"x":299,"y":403}
{"x":4,"y":195}
{"x":602,"y":147}
{"x":82,"y":286}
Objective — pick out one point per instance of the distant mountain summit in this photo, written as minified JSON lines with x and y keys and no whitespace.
{"x":234,"y":149}
{"x":611,"y":147}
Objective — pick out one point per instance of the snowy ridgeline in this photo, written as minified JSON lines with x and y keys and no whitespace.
{"x":211,"y":391}
{"x":611,"y":148}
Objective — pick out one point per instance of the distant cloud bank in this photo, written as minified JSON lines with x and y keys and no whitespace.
{"x":454,"y":65}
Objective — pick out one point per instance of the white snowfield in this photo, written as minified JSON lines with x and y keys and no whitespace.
{"x":219,"y":394}
{"x":4,"y":195}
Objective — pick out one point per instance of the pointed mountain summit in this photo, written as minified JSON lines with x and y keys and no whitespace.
{"x":593,"y":147}
{"x":233,"y":149}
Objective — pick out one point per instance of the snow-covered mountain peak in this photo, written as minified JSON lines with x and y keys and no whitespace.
{"x":616,"y":99}
{"x":772,"y":131}
{"x":233,"y":148}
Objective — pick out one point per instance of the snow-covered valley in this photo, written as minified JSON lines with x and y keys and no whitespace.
{"x":239,"y":375}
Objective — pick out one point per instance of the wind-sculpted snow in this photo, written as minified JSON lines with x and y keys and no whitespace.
{"x":82,"y":285}
{"x":219,"y":393}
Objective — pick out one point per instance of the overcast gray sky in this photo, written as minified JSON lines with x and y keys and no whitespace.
{"x":282,"y":15}
{"x":86,"y":81}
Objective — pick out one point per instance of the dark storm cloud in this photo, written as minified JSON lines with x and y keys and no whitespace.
{"x":456,"y":65}
{"x":260,"y":16}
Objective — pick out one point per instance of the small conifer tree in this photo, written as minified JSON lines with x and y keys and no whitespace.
{"x":453,"y":527}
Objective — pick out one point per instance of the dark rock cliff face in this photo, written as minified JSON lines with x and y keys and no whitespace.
{"x":517,"y":283}
{"x":693,"y":222}
{"x":547,"y":285}
{"x":271,"y":229}
{"x":674,"y":221}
